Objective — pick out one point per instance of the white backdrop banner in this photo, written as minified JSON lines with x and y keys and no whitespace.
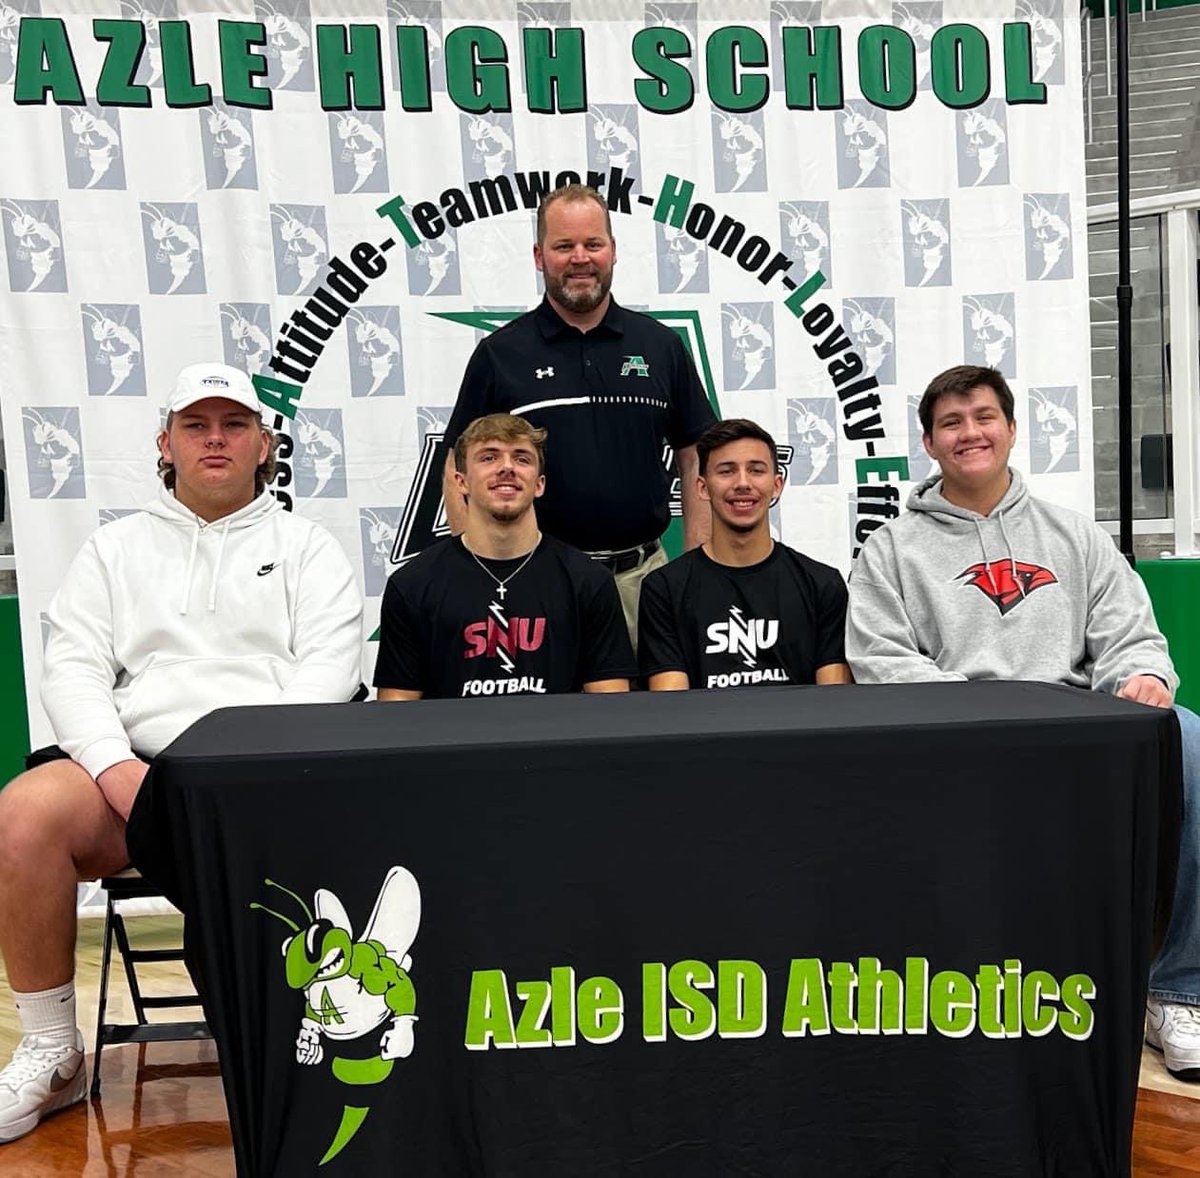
{"x":830,"y":201}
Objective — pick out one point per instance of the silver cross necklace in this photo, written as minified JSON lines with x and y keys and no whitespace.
{"x":500,"y":584}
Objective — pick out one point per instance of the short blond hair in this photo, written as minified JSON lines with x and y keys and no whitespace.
{"x":573,"y":193}
{"x":499,"y":427}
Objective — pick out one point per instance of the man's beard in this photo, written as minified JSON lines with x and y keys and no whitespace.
{"x":509,"y":512}
{"x":579,"y":300}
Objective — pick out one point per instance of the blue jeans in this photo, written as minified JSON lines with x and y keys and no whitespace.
{"x":1175,"y":974}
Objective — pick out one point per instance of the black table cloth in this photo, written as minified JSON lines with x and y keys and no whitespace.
{"x":788,"y":931}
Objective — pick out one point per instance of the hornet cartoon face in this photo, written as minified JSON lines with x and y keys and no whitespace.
{"x":380,"y":348}
{"x":36,"y":241}
{"x":304,"y":247}
{"x":175,"y":244}
{"x":117,"y":347}
{"x":491,"y":146}
{"x":232,"y":140}
{"x":353,"y":987}
{"x":362,"y":144}
{"x":97,"y":139}
{"x":743,"y":146}
{"x":865,"y":142}
{"x":985,"y":141}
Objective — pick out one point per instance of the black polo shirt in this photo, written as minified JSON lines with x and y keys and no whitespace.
{"x":609,"y":399}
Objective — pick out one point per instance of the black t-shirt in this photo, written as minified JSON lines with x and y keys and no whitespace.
{"x":447,"y":631}
{"x":609,"y":399}
{"x":773,"y":622}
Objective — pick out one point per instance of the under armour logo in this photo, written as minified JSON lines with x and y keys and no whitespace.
{"x":540,"y":372}
{"x":265,"y":569}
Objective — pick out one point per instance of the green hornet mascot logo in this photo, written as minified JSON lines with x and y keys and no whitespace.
{"x":351,"y":987}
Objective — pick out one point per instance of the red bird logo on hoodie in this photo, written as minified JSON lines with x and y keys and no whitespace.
{"x":1007,"y":582}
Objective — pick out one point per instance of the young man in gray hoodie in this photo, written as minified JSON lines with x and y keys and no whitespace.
{"x":980,"y":580}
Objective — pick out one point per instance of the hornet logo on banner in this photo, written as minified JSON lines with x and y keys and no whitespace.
{"x":92,"y":147}
{"x":487,"y":145}
{"x":1007,"y":582}
{"x":920,"y":20}
{"x":150,"y":13}
{"x":813,"y":435}
{"x":353,"y":987}
{"x":321,"y":454}
{"x":33,"y":243}
{"x":739,"y":152}
{"x":989,"y":332}
{"x":982,"y":138}
{"x":682,"y":261}
{"x":862,"y":146}
{"x":246,"y":335}
{"x":357,"y":150}
{"x":925,"y":225}
{"x":289,"y":43}
{"x":1054,"y":439}
{"x":804,"y":231}
{"x":871,"y":323}
{"x":426,"y":13}
{"x":378,"y":528}
{"x":1047,"y":236}
{"x":227,"y":136}
{"x":433,"y":266}
{"x":112,"y":350}
{"x":613,"y":137}
{"x":301,"y":246}
{"x":174,"y":257}
{"x":376,"y":359}
{"x":54,"y":452}
{"x":748,"y":347}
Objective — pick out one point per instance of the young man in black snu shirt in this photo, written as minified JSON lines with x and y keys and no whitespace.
{"x":501,"y":609}
{"x":742,"y":609}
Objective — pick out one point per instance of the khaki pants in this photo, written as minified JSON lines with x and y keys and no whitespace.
{"x":629,"y":586}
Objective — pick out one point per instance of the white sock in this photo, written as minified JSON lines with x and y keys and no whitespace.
{"x":49,"y":1014}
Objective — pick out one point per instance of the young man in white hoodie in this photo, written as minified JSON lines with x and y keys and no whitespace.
{"x":210,"y":596}
{"x":980,"y":580}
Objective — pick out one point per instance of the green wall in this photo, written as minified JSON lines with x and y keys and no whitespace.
{"x":1174,"y":587}
{"x":14,"y":719}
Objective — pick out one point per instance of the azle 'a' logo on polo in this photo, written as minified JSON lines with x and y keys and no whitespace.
{"x":636,"y":365}
{"x":1007,"y":582}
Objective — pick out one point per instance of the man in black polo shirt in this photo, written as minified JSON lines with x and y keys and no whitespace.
{"x":501,"y":609}
{"x":613,"y":386}
{"x":742,"y":609}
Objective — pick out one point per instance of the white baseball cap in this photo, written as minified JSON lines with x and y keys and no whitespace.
{"x":200,"y":381}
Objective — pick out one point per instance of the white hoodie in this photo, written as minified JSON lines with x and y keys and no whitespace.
{"x":162,"y":618}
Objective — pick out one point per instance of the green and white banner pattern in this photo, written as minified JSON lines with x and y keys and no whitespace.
{"x":831,"y":201}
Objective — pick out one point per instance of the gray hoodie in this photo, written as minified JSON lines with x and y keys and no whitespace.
{"x":1032,"y":591}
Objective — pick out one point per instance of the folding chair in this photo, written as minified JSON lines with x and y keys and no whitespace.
{"x":129,"y":885}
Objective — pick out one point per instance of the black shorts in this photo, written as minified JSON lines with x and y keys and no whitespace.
{"x":52,"y":752}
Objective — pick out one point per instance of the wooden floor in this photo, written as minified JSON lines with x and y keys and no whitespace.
{"x":162,"y":1111}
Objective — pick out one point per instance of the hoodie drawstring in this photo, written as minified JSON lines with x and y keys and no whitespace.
{"x":212,"y":592}
{"x":187,"y":577}
{"x":1012,"y":560}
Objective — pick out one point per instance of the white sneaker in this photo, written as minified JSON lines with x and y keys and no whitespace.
{"x":40,"y":1079}
{"x":1174,"y":1029}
